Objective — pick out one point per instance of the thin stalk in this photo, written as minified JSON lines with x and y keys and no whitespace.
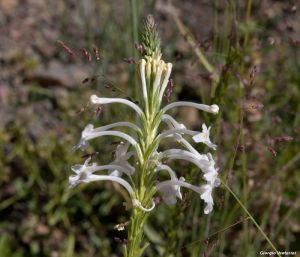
{"x":244,"y":173}
{"x":248,"y":14}
{"x":250,"y":216}
{"x":190,"y":39}
{"x":226,"y":29}
{"x":135,"y":234}
{"x":216,"y":28}
{"x":134,"y":32}
{"x":229,"y":227}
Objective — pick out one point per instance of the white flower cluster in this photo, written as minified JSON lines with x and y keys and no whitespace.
{"x":143,"y":143}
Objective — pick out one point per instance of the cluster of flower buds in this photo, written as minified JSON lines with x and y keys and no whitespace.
{"x":138,"y":161}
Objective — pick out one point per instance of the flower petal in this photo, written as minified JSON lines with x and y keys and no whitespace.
{"x":103,"y":100}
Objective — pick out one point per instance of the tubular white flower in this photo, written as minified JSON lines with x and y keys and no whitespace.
{"x":103,"y":100}
{"x":207,"y":108}
{"x":84,"y":174}
{"x":112,"y":133}
{"x":122,"y":160}
{"x":200,"y":160}
{"x":212,"y":177}
{"x":92,"y":178}
{"x":168,"y":169}
{"x":91,"y":168}
{"x":207,"y":198}
{"x":171,"y":189}
{"x":204,"y":161}
{"x":89,"y":133}
{"x":116,"y":124}
{"x":211,"y":173}
{"x":180,"y":182}
{"x":94,"y":168}
{"x":148,"y":69}
{"x":203,"y":137}
{"x":165,"y":81}
{"x":171,"y":122}
{"x":177,"y":131}
{"x":143,"y":78}
{"x":169,"y":192}
{"x":188,"y":146}
{"x":157,"y":80}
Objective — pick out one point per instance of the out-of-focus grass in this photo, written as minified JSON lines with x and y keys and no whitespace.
{"x":40,"y":216}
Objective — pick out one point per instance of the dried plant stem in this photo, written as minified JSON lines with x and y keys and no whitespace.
{"x":190,"y":39}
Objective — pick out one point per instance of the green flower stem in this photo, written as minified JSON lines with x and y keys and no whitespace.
{"x":136,"y":231}
{"x":250,"y":216}
{"x":136,"y":246}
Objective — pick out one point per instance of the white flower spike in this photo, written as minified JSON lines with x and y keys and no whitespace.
{"x":138,"y":160}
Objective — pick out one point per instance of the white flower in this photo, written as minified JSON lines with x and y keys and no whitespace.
{"x":207,"y":108}
{"x":211,"y":173}
{"x":122,"y":160}
{"x":104,"y":100}
{"x":203,"y":137}
{"x":200,"y":160}
{"x":169,"y":191}
{"x":84,"y":174}
{"x":205,"y":162}
{"x":207,"y":198}
{"x":171,"y":122}
{"x":89,"y":133}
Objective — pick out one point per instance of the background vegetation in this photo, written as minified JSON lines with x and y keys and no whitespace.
{"x":241,"y":55}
